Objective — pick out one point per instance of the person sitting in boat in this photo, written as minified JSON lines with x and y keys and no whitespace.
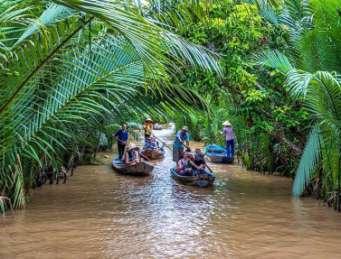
{"x":184,"y":165}
{"x":132,"y":155}
{"x":150,"y":143}
{"x":181,"y":141}
{"x":148,"y":128}
{"x":199,"y":158}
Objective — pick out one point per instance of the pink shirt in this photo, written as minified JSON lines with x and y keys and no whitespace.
{"x":228,"y":133}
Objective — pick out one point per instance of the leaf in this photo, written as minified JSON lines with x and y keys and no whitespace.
{"x":308,"y":162}
{"x":274,"y":59}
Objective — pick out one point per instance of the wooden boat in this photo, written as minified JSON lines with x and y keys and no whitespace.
{"x":139,"y":169}
{"x":153,"y":153}
{"x":217,"y":154}
{"x":202,"y":180}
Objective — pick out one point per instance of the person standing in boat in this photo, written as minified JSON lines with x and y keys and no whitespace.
{"x":122,"y":137}
{"x":229,"y":139}
{"x":181,"y":141}
{"x":148,"y":128}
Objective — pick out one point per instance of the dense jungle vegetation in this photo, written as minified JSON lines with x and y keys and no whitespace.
{"x":71,"y":70}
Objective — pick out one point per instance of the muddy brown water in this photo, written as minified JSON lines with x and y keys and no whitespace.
{"x":100,"y":214}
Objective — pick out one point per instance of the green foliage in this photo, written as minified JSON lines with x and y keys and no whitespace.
{"x":317,"y":46}
{"x":73,"y":69}
{"x":268,"y":122}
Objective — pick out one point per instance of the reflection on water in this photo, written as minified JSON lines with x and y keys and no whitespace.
{"x":100,"y":214}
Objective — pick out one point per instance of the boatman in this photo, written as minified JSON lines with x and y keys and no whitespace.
{"x":148,"y":128}
{"x":122,"y":137}
{"x":181,"y":141}
{"x":229,"y":139}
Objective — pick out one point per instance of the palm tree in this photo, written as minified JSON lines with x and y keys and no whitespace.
{"x":71,"y":65}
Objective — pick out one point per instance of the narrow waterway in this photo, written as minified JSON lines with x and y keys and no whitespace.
{"x":100,"y":214}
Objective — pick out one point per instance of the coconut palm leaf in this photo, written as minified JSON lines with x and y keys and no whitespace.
{"x":297,"y":15}
{"x":275,"y":60}
{"x":267,"y":10}
{"x":13,"y":17}
{"x":308,"y":162}
{"x":297,"y":82}
{"x":52,"y":15}
{"x":323,"y":100}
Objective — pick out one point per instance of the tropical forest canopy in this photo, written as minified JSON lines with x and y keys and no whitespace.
{"x":71,"y":70}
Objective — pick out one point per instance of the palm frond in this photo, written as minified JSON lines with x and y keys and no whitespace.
{"x":308,"y":162}
{"x":52,"y":15}
{"x":324,"y":102}
{"x":192,"y":53}
{"x":297,"y":82}
{"x":298,"y":16}
{"x":13,"y":18}
{"x":267,"y":10}
{"x":275,"y":60}
{"x":90,"y":85}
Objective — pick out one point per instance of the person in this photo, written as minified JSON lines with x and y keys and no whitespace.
{"x":122,"y":137}
{"x":151,"y":143}
{"x":184,"y":166}
{"x":148,"y":128}
{"x":131,"y":155}
{"x":199,"y":158}
{"x":181,"y":141}
{"x":229,"y":139}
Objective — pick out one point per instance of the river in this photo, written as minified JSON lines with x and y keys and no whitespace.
{"x":100,"y":214}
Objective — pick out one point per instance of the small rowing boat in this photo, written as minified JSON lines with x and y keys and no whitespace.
{"x":217,"y":154}
{"x":139,"y":169}
{"x":153,"y":153}
{"x":202,"y":180}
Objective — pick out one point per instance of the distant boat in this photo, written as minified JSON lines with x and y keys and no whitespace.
{"x":217,"y":154}
{"x":202,"y":180}
{"x":153,"y":153}
{"x":157,"y":126}
{"x":139,"y":169}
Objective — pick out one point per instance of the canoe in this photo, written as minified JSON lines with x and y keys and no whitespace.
{"x":217,"y":154}
{"x":153,"y":153}
{"x":202,"y":180}
{"x":222,"y":159}
{"x":139,"y":169}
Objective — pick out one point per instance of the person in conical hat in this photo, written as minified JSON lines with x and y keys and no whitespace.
{"x":132,"y":154}
{"x":229,"y":140}
{"x":180,"y":143}
{"x":148,"y":127}
{"x":227,"y":124}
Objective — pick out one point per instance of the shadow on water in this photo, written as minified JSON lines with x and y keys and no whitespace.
{"x":101,"y":214}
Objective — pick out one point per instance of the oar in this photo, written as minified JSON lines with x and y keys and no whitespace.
{"x":187,"y":147}
{"x":209,"y":168}
{"x":144,"y":157}
{"x":164,"y":143}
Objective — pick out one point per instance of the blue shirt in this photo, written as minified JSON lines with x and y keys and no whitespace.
{"x":180,"y":135}
{"x":122,"y":135}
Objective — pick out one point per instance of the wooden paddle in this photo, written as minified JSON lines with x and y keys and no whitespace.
{"x":209,"y":168}
{"x":143,"y":156}
{"x":164,"y":143}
